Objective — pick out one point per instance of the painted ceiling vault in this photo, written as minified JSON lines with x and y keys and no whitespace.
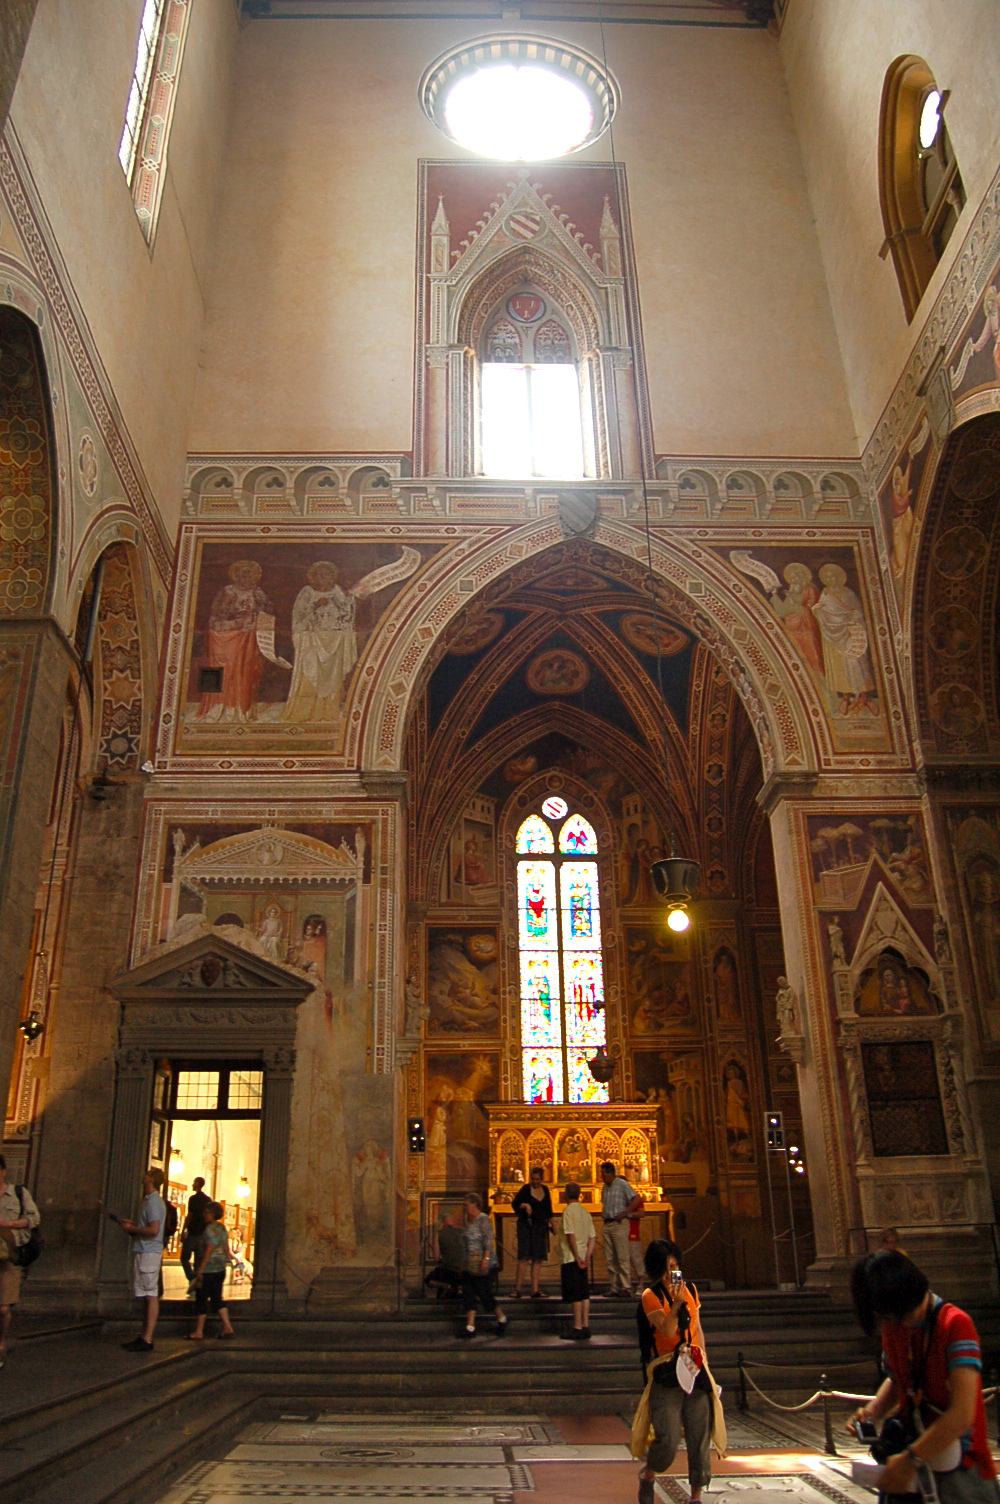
{"x":557,"y":668}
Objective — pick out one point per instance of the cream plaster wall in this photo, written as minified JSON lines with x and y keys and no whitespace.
{"x":309,"y":336}
{"x":145,"y":309}
{"x":836,"y":54}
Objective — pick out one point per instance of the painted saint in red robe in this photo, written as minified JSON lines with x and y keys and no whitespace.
{"x":232,"y":644}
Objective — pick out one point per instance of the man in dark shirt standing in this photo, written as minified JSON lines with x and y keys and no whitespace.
{"x":193,"y":1232}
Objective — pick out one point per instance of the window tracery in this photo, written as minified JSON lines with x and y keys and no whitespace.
{"x":561,"y":963}
{"x":531,"y":414}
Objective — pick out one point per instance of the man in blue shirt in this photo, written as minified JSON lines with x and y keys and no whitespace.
{"x":618,"y":1203}
{"x":147,"y":1257}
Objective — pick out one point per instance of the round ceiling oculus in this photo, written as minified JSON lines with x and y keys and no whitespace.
{"x":519,"y":98}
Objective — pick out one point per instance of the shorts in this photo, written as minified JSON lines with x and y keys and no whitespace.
{"x":532,"y":1241}
{"x":10,"y":1283}
{"x":146,"y":1274}
{"x":478,"y":1291}
{"x":209,"y":1292}
{"x":575,"y":1282}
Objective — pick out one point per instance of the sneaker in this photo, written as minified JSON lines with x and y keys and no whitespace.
{"x":585,"y":1333}
{"x":467,"y":1332}
{"x":138,"y":1345}
{"x":569,"y":1334}
{"x":647,"y":1490}
{"x":502,"y":1328}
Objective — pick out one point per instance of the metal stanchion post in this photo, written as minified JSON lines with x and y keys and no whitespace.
{"x":829,"y":1447}
{"x":791,"y":1218}
{"x":741,"y":1403}
{"x":773,"y":1138}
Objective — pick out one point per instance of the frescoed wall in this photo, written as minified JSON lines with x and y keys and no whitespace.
{"x":274,"y":638}
{"x":819,"y":596}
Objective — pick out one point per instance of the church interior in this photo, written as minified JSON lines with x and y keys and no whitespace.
{"x":498,"y":621}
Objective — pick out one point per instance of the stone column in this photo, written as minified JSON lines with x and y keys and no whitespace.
{"x":83,"y":1026}
{"x":35,"y":661}
{"x":829,"y":1151}
{"x":269,"y":1285}
{"x":436,"y":413}
{"x":126,"y":1162}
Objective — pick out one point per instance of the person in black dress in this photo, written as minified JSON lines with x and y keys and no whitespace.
{"x":533,"y":1206}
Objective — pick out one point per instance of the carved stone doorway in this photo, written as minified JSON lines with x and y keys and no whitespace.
{"x":208,"y":1000}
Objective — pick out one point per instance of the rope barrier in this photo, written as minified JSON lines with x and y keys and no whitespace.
{"x":784,"y":1367}
{"x":789,"y":1409}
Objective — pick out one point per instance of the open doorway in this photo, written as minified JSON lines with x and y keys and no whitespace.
{"x":206,"y":1123}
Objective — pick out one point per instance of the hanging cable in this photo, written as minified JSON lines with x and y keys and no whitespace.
{"x":633,"y":351}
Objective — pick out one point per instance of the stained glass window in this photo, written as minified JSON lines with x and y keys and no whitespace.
{"x":561,"y":962}
{"x":577,"y":838}
{"x":534,"y":835}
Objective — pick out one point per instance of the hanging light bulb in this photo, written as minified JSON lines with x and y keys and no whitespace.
{"x":675,"y":879}
{"x":243,"y":1189}
{"x":176,"y":1164}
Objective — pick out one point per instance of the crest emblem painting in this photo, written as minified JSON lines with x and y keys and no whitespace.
{"x":526,"y":307}
{"x":524,"y":225}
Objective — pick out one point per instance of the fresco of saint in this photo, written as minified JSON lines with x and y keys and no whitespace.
{"x":232,"y":644}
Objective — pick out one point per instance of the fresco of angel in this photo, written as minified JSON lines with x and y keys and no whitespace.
{"x":324,"y":637}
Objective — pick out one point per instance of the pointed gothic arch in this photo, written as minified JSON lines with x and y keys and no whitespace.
{"x":526,"y":244}
{"x":783,"y":708}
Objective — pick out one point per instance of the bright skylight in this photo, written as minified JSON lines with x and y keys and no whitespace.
{"x":516,"y":114}
{"x":930,"y":119}
{"x":531,"y":422}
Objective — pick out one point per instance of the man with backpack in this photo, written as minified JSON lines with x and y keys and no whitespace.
{"x":149,"y":1232}
{"x":18,"y":1218}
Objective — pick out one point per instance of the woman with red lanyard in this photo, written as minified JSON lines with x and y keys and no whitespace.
{"x":673,"y":1310}
{"x":931,"y":1355}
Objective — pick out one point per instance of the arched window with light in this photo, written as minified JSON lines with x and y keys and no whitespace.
{"x":531,"y":416}
{"x":561,"y":963}
{"x":920,"y":186}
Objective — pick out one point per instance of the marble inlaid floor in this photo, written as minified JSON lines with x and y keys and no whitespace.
{"x":476,"y":1460}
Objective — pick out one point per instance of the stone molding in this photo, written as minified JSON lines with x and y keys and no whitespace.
{"x":962,"y":290}
{"x":24,"y":205}
{"x":691,"y":488}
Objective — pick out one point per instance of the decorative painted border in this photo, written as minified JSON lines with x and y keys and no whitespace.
{"x":688,"y":488}
{"x":23,"y":203}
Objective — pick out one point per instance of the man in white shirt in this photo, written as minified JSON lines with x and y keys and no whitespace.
{"x":576,"y":1244}
{"x":618,"y":1203}
{"x":147,"y":1257}
{"x":18,"y":1215}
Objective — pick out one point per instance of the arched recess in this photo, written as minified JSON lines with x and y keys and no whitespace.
{"x":27,"y":471}
{"x":920,"y":187}
{"x":955,"y":600}
{"x":121,"y":675}
{"x":783,"y":709}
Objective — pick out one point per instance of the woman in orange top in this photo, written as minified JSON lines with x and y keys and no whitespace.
{"x":673,"y":1310}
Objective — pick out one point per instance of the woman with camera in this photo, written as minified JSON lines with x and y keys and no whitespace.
{"x":673,"y":1311}
{"x":932,"y":1400}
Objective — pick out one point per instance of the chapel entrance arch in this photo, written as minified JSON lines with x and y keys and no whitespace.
{"x":547,"y":683}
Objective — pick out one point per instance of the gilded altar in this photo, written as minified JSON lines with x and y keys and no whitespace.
{"x":571,"y":1142}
